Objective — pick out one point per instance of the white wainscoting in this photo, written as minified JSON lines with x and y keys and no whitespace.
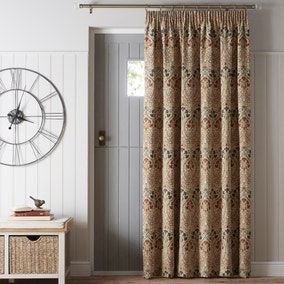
{"x":269,"y":161}
{"x":61,"y":178}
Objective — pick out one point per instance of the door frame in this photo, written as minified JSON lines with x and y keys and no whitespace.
{"x":91,"y":137}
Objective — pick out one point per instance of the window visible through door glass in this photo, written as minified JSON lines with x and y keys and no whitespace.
{"x":135,"y":78}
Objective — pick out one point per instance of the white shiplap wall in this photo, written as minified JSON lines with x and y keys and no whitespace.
{"x":61,"y":178}
{"x":269,"y":157}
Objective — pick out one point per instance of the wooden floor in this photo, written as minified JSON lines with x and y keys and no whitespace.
{"x":140,"y":280}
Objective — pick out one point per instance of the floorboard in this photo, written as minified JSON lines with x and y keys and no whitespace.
{"x":140,"y":280}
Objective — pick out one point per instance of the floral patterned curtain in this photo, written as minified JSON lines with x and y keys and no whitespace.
{"x":197,"y":149}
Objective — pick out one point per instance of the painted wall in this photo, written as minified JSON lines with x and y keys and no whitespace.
{"x":52,"y":37}
{"x":38,"y":25}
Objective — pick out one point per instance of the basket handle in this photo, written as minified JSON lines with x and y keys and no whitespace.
{"x":33,"y":238}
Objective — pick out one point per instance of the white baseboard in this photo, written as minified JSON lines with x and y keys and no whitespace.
{"x":80,"y":268}
{"x":258,"y":269}
{"x":265,"y":269}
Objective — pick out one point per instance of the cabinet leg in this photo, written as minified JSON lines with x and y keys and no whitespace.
{"x":61,"y":280}
{"x":61,"y":268}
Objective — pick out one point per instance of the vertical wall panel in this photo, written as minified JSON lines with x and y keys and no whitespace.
{"x":272,"y":158}
{"x":123,"y":202}
{"x":113,"y":207}
{"x":56,"y":166}
{"x":100,"y":213}
{"x":44,"y":167}
{"x":123,"y":99}
{"x":134,"y":214}
{"x":280,"y":111}
{"x":69,"y":173}
{"x":61,"y":178}
{"x":81,"y":164}
{"x":260,"y":215}
{"x":20,"y":174}
{"x":269,"y":155}
{"x":32,"y":171}
{"x":113,"y":79}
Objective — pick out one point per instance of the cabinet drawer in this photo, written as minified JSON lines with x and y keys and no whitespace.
{"x":33,"y":254}
{"x":1,"y":254}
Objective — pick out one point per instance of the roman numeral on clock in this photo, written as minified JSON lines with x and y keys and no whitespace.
{"x":48,"y":135}
{"x":35,"y":150}
{"x":2,"y":86}
{"x":2,"y":146}
{"x":16,"y":83}
{"x":34,"y":84}
{"x":48,"y":97}
{"x":16,"y":157}
{"x":16,"y":75}
{"x":54,"y":115}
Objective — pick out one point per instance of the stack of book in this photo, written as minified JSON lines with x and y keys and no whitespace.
{"x":31,"y":214}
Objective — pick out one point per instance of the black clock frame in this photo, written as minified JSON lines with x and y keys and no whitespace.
{"x":43,"y":117}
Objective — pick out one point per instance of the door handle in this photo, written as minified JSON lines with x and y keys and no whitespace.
{"x":102,"y":138}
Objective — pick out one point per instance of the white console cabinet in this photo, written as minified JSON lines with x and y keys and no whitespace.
{"x":35,"y":249}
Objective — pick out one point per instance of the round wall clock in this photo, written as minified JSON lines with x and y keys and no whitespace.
{"x":32,"y":116}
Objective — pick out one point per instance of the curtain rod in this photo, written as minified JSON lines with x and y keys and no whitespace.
{"x":169,"y":6}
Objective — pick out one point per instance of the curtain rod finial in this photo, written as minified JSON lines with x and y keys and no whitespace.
{"x":76,"y":5}
{"x":258,"y":6}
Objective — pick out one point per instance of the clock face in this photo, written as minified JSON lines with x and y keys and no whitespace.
{"x":32,"y":116}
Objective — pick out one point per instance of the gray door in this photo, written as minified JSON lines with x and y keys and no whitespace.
{"x":118,"y":120}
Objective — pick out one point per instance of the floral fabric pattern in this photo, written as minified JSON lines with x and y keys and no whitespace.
{"x":197,"y":149}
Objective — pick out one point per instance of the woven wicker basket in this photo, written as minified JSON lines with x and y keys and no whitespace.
{"x":1,"y":255}
{"x":33,"y":254}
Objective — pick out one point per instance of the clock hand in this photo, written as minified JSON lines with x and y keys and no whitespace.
{"x":10,"y":127}
{"x":16,"y":134}
{"x":17,"y":111}
{"x":20,"y":102}
{"x":24,"y":119}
